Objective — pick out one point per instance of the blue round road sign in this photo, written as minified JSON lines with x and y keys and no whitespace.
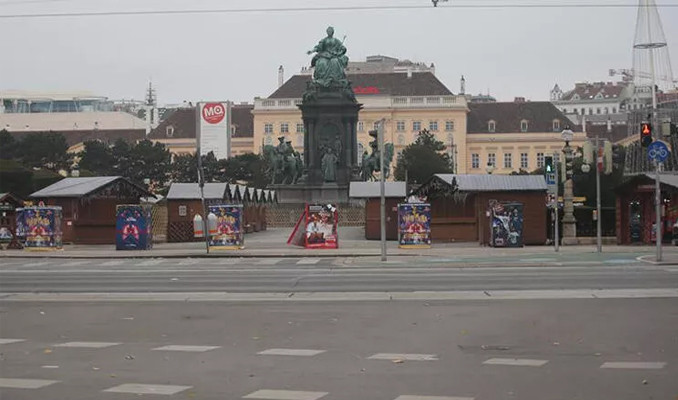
{"x":658,"y":151}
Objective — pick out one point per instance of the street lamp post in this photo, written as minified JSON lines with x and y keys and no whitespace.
{"x":569,"y":221}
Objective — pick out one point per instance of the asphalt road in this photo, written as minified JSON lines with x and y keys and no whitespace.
{"x":312,"y":275}
{"x":622,"y":349}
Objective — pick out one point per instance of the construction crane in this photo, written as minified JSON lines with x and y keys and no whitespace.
{"x":629,"y":74}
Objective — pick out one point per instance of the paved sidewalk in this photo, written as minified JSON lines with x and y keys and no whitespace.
{"x":272,"y":243}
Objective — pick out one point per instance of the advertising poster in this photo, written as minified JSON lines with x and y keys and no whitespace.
{"x":321,"y":226}
{"x":214,"y":129}
{"x":42,"y":228}
{"x":133,"y":229}
{"x":506,"y":223}
{"x":229,"y":234}
{"x":414,"y":225}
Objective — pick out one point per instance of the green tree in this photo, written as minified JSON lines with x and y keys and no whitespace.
{"x":250,"y":168}
{"x":15,"y":178}
{"x":44,"y":149}
{"x":146,"y":160}
{"x":7,"y":145}
{"x":422,"y":159}
{"x":97,"y":157}
{"x":184,"y":168}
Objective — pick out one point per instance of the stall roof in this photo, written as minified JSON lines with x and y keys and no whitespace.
{"x":668,"y":179}
{"x":496,"y":183}
{"x":77,"y":187}
{"x":191,"y":191}
{"x":372,"y":189}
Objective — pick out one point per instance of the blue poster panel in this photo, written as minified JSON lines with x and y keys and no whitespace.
{"x":506,"y":220}
{"x":41,"y":227}
{"x":414,"y":225}
{"x":229,"y":234}
{"x":133,"y":228}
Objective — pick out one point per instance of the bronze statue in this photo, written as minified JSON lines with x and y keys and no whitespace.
{"x":329,"y":61}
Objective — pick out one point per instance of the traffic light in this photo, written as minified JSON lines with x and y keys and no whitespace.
{"x":645,"y":134}
{"x":548,"y":165}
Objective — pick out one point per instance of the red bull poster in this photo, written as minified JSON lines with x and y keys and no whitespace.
{"x":133,"y":230}
{"x":42,"y":228}
{"x":414,"y":225}
{"x":321,"y":226}
{"x":229,"y":234}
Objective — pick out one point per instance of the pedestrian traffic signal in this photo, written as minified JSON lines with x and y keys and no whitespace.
{"x":645,"y":134}
{"x":548,"y":165}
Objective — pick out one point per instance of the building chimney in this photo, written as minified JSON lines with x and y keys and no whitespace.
{"x":462,"y":86}
{"x":281,"y":76}
{"x":519,"y":100}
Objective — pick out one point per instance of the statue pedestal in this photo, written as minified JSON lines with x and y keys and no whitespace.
{"x":307,"y":193}
{"x":330,"y":120}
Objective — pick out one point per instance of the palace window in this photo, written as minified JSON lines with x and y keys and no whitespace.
{"x":268,"y":128}
{"x":523,"y":126}
{"x":361,"y":126}
{"x":449,"y":126}
{"x":523,"y":161}
{"x":433,"y":126}
{"x":169,"y":131}
{"x":508,"y":160}
{"x":492,"y":159}
{"x":300,"y":128}
{"x":416,"y":126}
{"x":491,"y":126}
{"x":540,"y":160}
{"x":556,"y":125}
{"x":400,"y":126}
{"x":475,"y":160}
{"x":284,"y":127}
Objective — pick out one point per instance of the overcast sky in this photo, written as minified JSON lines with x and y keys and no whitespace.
{"x":235,"y":56}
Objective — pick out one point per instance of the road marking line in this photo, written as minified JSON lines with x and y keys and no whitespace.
{"x":285,"y":395}
{"x":8,"y":341}
{"x":50,"y":366}
{"x":414,"y":397}
{"x":490,"y":295}
{"x":87,"y":345}
{"x":520,"y":362}
{"x":25,"y":383}
{"x":189,"y":262}
{"x":197,"y":349}
{"x":113,"y":263}
{"x":290,"y":352}
{"x":404,"y":357}
{"x":151,"y":262}
{"x":269,"y":261}
{"x":140,"y":388}
{"x":308,"y":261}
{"x":633,"y":365}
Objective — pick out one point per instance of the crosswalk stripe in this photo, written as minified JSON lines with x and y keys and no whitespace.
{"x":9,"y":341}
{"x":290,"y":352}
{"x":412,"y":397}
{"x":633,"y":365}
{"x":520,"y":362}
{"x":87,"y":345}
{"x":404,"y":357}
{"x":141,"y":389}
{"x":308,"y":261}
{"x":268,"y":394}
{"x":196,"y":349}
{"x":13,"y":383}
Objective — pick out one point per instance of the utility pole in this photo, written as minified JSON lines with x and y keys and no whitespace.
{"x":201,"y":177}
{"x":599,"y":166}
{"x":658,"y":211}
{"x":382,"y":188}
{"x":555,"y":205}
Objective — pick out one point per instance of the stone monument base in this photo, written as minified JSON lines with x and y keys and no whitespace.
{"x":323,"y":193}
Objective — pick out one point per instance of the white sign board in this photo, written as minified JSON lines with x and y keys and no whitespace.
{"x":214,"y":129}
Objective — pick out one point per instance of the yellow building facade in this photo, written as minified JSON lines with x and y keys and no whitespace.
{"x":430,"y":105}
{"x":515,"y":137}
